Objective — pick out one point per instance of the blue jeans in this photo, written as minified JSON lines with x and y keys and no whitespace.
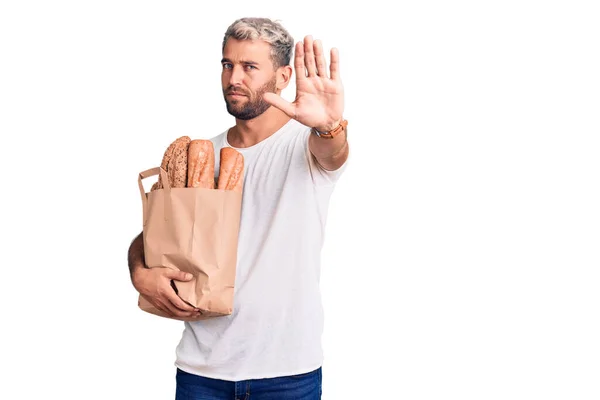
{"x":297,"y":387}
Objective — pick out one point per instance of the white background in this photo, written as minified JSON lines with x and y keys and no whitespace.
{"x":462,"y":251}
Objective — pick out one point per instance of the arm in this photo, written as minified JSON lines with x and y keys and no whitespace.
{"x":331,"y":154}
{"x":155,"y":283}
{"x":135,"y":256}
{"x":319,"y":102}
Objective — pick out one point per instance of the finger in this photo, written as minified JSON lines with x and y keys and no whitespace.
{"x":154,"y":303}
{"x":178,"y":275}
{"x":309,"y":57}
{"x":299,"y":61}
{"x":277,"y":101}
{"x":334,"y":67}
{"x":160,"y":305}
{"x":187,"y":314}
{"x":166,"y":307}
{"x":320,"y":59}
{"x":177,"y":302}
{"x":172,"y":310}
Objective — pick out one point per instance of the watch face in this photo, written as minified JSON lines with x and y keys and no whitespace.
{"x":321,"y":135}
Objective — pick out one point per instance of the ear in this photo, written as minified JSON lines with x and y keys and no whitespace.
{"x":284,"y":74}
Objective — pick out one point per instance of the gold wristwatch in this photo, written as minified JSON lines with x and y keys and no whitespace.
{"x":333,"y":133}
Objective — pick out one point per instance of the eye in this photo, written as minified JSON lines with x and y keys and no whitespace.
{"x":227,"y":66}
{"x":250,"y":67}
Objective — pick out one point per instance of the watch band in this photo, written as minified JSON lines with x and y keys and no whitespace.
{"x":333,"y":133}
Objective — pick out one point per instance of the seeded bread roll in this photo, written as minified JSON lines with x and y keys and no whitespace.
{"x":231,"y":170}
{"x":178,"y":164}
{"x":201,"y":164}
{"x":166,"y":160}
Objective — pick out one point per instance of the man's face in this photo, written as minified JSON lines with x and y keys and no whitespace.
{"x":247,"y":74}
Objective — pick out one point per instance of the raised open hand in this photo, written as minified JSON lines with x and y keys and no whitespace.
{"x":319,"y":99}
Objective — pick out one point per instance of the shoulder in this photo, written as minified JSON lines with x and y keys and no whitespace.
{"x":220,"y":139}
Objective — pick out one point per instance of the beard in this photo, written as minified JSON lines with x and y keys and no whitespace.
{"x":255,"y":104}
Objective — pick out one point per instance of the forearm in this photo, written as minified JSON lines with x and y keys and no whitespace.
{"x":135,"y":255}
{"x":329,"y":153}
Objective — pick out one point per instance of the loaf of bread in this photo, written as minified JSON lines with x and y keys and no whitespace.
{"x":231,"y":170}
{"x":191,"y":163}
{"x":201,"y":164}
{"x":178,"y":164}
{"x":174,"y":162}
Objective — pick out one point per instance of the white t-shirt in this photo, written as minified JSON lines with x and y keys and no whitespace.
{"x":277,"y":322}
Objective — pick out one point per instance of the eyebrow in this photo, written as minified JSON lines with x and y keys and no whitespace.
{"x":248,"y":62}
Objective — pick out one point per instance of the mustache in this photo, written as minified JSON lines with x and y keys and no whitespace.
{"x":231,"y":90}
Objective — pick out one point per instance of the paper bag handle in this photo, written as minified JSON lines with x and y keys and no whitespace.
{"x":166,"y":186}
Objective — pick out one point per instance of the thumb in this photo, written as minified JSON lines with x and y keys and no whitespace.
{"x":277,"y":101}
{"x":178,"y":275}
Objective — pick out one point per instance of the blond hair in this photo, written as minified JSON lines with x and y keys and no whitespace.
{"x":272,"y":32}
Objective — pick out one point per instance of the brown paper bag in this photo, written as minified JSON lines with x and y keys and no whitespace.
{"x":193,"y":230}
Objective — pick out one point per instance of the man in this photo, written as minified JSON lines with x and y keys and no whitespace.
{"x":294,"y":153}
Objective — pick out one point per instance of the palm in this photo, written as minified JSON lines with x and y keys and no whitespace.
{"x":319,"y":99}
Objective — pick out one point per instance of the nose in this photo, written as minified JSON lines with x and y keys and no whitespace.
{"x":236,"y":76}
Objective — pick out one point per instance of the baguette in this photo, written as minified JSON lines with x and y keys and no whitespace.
{"x":201,"y":164}
{"x":231,"y":170}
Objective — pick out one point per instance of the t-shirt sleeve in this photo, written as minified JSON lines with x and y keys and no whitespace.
{"x":320,"y":175}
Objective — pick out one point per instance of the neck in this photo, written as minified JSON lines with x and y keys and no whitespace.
{"x":247,"y":133}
